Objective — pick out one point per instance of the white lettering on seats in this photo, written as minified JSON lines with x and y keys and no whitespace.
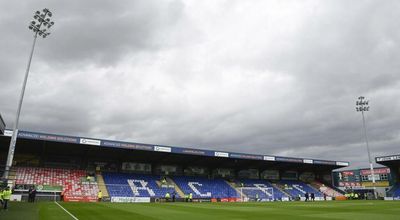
{"x":263,"y":189}
{"x":195,"y":190}
{"x":298,"y":187}
{"x":143,"y":186}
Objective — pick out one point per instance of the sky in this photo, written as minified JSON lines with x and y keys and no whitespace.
{"x":263,"y":77}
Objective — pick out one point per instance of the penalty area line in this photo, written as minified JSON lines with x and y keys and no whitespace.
{"x":66,"y":211}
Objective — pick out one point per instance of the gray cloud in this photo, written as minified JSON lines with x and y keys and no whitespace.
{"x":261,"y":77}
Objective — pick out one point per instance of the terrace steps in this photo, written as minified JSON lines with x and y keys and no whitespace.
{"x":233,"y":185}
{"x":177,"y":189}
{"x":102,"y":185}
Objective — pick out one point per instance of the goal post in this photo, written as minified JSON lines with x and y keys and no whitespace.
{"x":249,"y":193}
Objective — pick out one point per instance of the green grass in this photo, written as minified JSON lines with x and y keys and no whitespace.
{"x":363,"y":210}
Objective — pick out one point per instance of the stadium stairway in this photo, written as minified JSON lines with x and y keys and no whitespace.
{"x":102,"y":185}
{"x":233,"y":185}
{"x":281,"y":188}
{"x":12,"y":175}
{"x":177,"y":189}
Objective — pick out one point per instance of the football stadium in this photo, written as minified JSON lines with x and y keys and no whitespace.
{"x":145,"y":181}
{"x":200,"y":110}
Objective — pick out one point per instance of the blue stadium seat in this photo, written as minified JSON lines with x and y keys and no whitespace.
{"x":202,"y":187}
{"x":396,"y":191}
{"x":134,"y":185}
{"x":296,"y":188}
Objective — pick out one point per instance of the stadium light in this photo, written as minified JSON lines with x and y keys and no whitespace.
{"x":40,"y":25}
{"x":362,"y":106}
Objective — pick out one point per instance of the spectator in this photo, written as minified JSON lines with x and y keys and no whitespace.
{"x":33,"y":194}
{"x":30,"y":194}
{"x":99,"y":196}
{"x":6,"y":197}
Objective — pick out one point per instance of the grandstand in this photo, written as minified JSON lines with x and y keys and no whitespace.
{"x":76,"y":168}
{"x":393,"y":163}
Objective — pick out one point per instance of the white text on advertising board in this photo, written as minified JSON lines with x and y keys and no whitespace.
{"x":89,"y":141}
{"x":338,"y":163}
{"x":269,"y":158}
{"x":221,"y":154}
{"x":307,"y":161}
{"x":162,"y":149}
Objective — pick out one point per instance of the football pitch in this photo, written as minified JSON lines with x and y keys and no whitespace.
{"x":363,"y":210}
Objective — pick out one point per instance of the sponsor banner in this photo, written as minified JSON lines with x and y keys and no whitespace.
{"x":350,"y":184}
{"x":47,"y":137}
{"x":348,"y":173}
{"x":388,"y":158}
{"x":269,"y":158}
{"x":130,"y":199}
{"x":90,"y":141}
{"x":246,"y":156}
{"x":376,"y":171}
{"x":388,"y":198}
{"x":201,"y":200}
{"x":49,"y":188}
{"x":126,"y":145}
{"x":221,"y":154}
{"x":325,"y":162}
{"x":377,"y":184}
{"x":8,"y":133}
{"x":16,"y":198}
{"x":289,"y":159}
{"x":339,"y":163}
{"x":80,"y":198}
{"x":191,"y":151}
{"x":162,"y":149}
{"x":308,"y":161}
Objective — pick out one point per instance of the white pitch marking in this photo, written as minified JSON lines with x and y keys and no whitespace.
{"x":67,"y":211}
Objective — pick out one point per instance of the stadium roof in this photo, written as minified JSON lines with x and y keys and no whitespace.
{"x":171,"y":154}
{"x":388,"y":160}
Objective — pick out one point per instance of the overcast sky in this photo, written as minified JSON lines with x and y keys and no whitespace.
{"x":265,"y":77}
